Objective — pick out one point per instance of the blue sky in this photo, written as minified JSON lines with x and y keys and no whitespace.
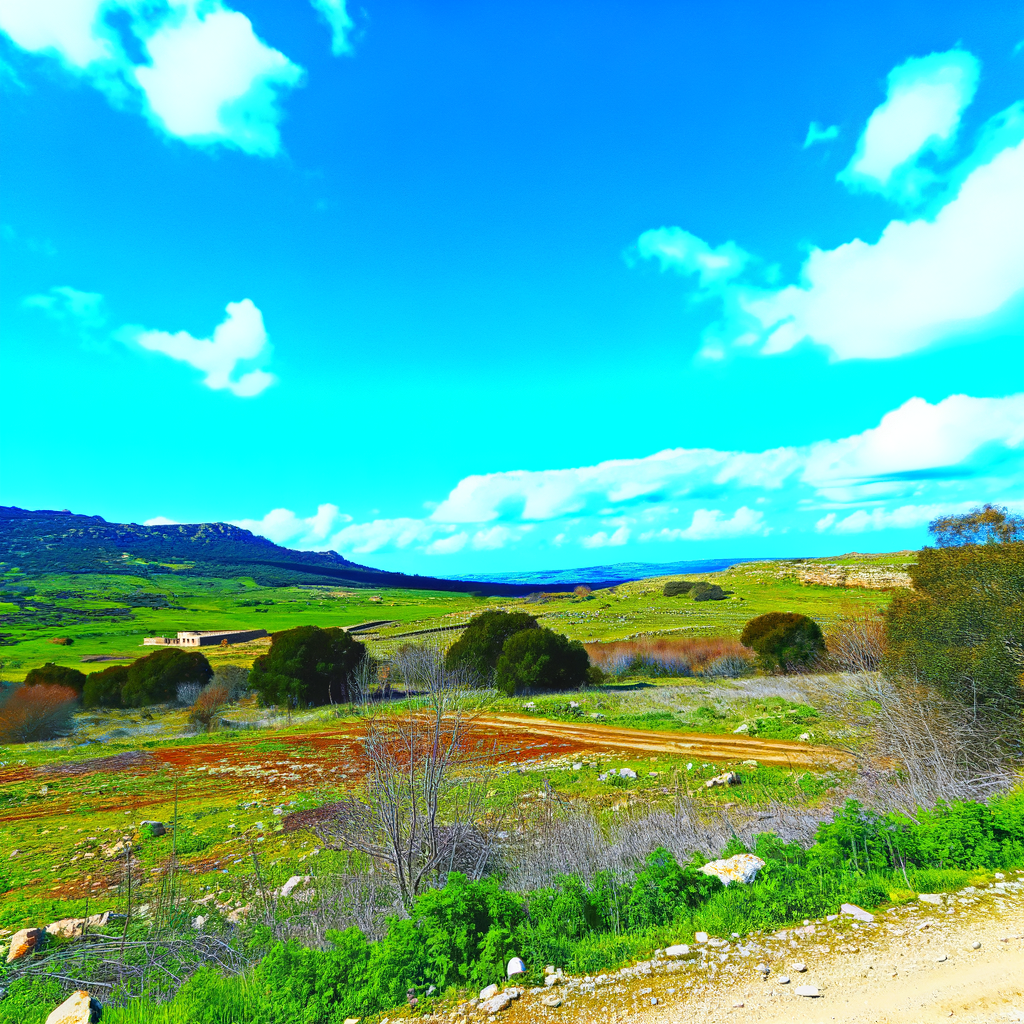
{"x":469,"y":287}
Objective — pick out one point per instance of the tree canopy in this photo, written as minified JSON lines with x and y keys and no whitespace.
{"x":103,"y":689}
{"x":307,"y":666}
{"x":56,"y":675}
{"x":784,"y":639}
{"x":961,"y":628}
{"x":540,"y":659}
{"x":480,"y":645}
{"x":155,"y":678}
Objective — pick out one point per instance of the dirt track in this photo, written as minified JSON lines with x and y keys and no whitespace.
{"x":688,"y":744}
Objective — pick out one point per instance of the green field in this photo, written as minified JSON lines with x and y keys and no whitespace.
{"x":110,"y":614}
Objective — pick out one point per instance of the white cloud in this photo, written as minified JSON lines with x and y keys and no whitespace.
{"x":496,"y":537}
{"x":825,"y":523}
{"x":904,"y":518}
{"x":817,"y":133}
{"x":212,"y":80}
{"x":926,"y":96}
{"x":710,"y":524}
{"x":380,"y":534}
{"x":341,"y":24}
{"x":160,"y":521}
{"x":447,"y":545}
{"x":284,"y":527}
{"x":240,"y":338}
{"x":602,"y":539}
{"x":208,"y":80}
{"x":676,"y":249}
{"x":63,"y":303}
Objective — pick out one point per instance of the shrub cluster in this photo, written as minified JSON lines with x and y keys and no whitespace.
{"x":56,"y":675}
{"x":306,"y":667}
{"x":702,"y":591}
{"x":40,"y":712}
{"x":153,"y":679}
{"x":676,"y":587}
{"x":518,"y":654}
{"x":784,"y":640}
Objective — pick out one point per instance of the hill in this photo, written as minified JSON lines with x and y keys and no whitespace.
{"x":48,"y":541}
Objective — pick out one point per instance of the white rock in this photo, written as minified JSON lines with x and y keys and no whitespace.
{"x":293,"y":883}
{"x":488,"y":993}
{"x":627,"y":773}
{"x":515,"y":966}
{"x":741,"y":728}
{"x":784,"y":980}
{"x":811,"y":991}
{"x":741,"y":868}
{"x":975,"y":945}
{"x":941,"y":958}
{"x":930,"y":897}
{"x":551,"y":979}
{"x":578,"y":766}
{"x":552,"y":1000}
{"x":856,"y":912}
{"x":497,"y":1003}
{"x":798,"y":967}
{"x":78,"y":1008}
{"x":805,"y":736}
{"x":725,"y":779}
{"x":763,"y":968}
{"x":674,"y":951}
{"x":700,"y":937}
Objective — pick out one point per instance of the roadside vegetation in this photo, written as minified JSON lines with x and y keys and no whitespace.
{"x":350,"y":824}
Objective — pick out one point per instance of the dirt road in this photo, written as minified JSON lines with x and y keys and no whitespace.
{"x":958,"y":959}
{"x":705,"y":746}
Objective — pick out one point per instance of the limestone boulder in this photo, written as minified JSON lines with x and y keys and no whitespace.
{"x":24,"y":942}
{"x":497,"y":1003}
{"x":725,"y":779}
{"x":742,"y":868}
{"x":515,"y":966}
{"x":857,"y":913}
{"x":78,"y":1008}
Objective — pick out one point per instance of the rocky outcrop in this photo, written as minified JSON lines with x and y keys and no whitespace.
{"x":24,"y":942}
{"x":826,"y":574}
{"x":76,"y":927}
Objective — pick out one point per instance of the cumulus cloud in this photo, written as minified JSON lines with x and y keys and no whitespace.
{"x":817,"y":133}
{"x":447,"y":545}
{"x":712,"y":524}
{"x":284,"y":527}
{"x":921,"y":113}
{"x":339,"y":21}
{"x":208,"y":78}
{"x":902,"y":518}
{"x":240,"y":338}
{"x":603,"y":539}
{"x":160,"y":521}
{"x":925,"y":281}
{"x":384,"y":534}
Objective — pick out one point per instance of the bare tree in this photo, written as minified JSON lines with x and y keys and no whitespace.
{"x":425,"y":790}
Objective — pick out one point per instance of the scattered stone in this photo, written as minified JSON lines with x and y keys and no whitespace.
{"x":78,"y":1008}
{"x":798,"y":967}
{"x":975,"y":945}
{"x":552,"y":1000}
{"x":199,"y":922}
{"x":488,"y":993}
{"x":13,"y":854}
{"x":856,"y":912}
{"x":551,"y":979}
{"x":550,"y":969}
{"x":627,"y":773}
{"x":654,"y":1000}
{"x":156,"y":828}
{"x":741,"y":868}
{"x":578,"y":766}
{"x":737,"y":1006}
{"x":783,"y":980}
{"x":942,"y":957}
{"x":674,"y":951}
{"x":725,"y":779}
{"x":763,"y":968}
{"x":700,"y":937}
{"x":930,"y":897}
{"x":742,"y":728}
{"x":75,"y":927}
{"x":24,"y":942}
{"x":515,"y":966}
{"x":811,"y":991}
{"x":804,"y":737}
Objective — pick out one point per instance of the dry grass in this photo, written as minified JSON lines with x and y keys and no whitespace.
{"x":32,"y":713}
{"x":209,"y":703}
{"x":683,"y":656}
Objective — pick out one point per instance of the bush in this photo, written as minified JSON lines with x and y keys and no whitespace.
{"x":56,"y":675}
{"x":784,"y":640}
{"x":306,"y":667}
{"x":103,"y":689}
{"x":540,"y":659}
{"x":155,"y":678}
{"x":32,"y":713}
{"x":676,"y":587}
{"x":702,"y":591}
{"x":481,"y":643}
{"x":208,"y":704}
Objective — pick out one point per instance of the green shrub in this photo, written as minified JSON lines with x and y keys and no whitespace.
{"x":784,"y":640}
{"x":307,"y":666}
{"x":702,"y":591}
{"x":103,"y":689}
{"x":676,"y":587}
{"x":56,"y":675}
{"x":541,"y":659}
{"x":155,"y":678}
{"x":480,"y":645}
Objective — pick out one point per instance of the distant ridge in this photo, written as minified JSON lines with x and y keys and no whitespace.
{"x":608,"y":575}
{"x":49,"y":540}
